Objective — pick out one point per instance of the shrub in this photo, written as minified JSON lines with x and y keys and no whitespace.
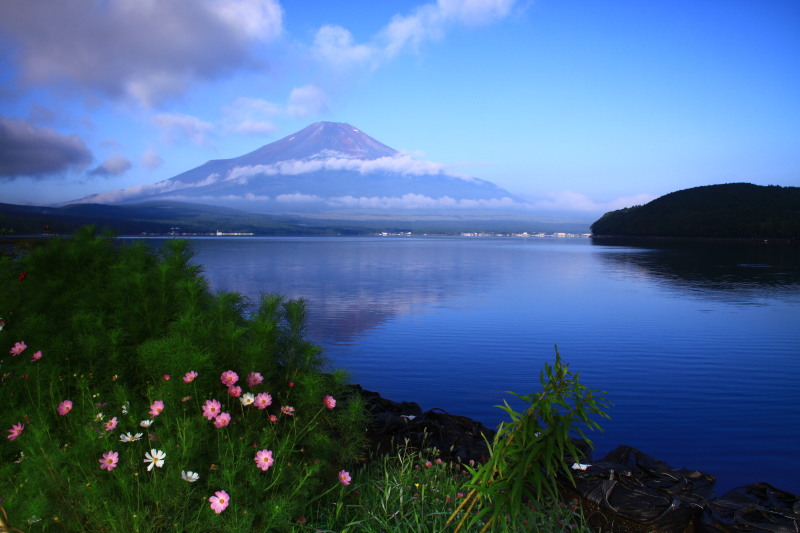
{"x":118,"y":327}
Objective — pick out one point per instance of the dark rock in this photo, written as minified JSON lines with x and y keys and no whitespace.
{"x":759,"y":507}
{"x":628,"y":491}
{"x":405,"y":423}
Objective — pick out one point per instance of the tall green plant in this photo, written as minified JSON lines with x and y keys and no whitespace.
{"x":529,"y":452}
{"x":94,"y":332}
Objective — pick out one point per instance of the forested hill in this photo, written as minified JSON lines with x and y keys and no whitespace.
{"x":733,"y":210}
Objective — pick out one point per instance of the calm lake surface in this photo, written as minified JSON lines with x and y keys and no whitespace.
{"x":698,"y":346}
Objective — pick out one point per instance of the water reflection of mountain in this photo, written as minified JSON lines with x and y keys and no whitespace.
{"x":718,"y":270}
{"x":351,"y":285}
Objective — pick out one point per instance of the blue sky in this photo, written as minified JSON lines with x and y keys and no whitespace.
{"x":573,"y":105}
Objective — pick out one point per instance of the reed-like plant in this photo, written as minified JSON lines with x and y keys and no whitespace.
{"x":534,"y":449}
{"x":416,"y":491}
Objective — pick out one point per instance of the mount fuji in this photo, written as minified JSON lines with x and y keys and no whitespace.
{"x":327,"y":167}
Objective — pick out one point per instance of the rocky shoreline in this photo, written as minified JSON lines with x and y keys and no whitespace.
{"x":626,"y":491}
{"x":405,"y":423}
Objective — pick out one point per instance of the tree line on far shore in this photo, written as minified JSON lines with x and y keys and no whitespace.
{"x":733,"y":210}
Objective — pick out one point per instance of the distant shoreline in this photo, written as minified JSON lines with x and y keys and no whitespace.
{"x":732,"y":240}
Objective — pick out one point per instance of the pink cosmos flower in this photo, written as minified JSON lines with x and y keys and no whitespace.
{"x":219,"y":501}
{"x":229,"y":378}
{"x":111,"y":424}
{"x":165,"y":377}
{"x":344,"y":477}
{"x":223,"y":419}
{"x":264,"y":459}
{"x":235,"y":391}
{"x":36,"y":356}
{"x":109,"y":461}
{"x":288,"y":410}
{"x":329,"y":402}
{"x":273,"y":418}
{"x":291,"y":384}
{"x":16,"y":430}
{"x":211,"y":409}
{"x":189,"y":376}
{"x":156,"y":408}
{"x":18,"y":348}
{"x":254,"y":378}
{"x":428,"y":464}
{"x":64,"y":407}
{"x":263,"y":400}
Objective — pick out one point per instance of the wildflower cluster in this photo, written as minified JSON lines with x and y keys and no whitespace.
{"x":101,"y":435}
{"x":209,"y":451}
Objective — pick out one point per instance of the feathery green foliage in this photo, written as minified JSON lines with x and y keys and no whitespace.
{"x":113,"y":327}
{"x":118,"y":325}
{"x":531,"y":451}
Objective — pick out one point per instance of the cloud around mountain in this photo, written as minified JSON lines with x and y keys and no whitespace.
{"x":326,"y":166}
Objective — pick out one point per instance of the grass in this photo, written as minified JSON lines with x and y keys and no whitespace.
{"x":417,"y":491}
{"x":123,"y":378}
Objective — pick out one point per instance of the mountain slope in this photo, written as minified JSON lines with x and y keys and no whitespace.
{"x":326,"y":167}
{"x":733,"y":210}
{"x":167,"y":217}
{"x":160,"y":218}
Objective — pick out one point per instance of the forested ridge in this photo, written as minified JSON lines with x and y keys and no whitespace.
{"x":733,"y":210}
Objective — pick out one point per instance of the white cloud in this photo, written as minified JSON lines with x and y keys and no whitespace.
{"x":409,"y":32}
{"x":29,"y":150}
{"x":251,"y":116}
{"x":254,"y":127}
{"x":475,"y":12}
{"x":335,"y":45}
{"x":297,"y":198}
{"x":417,"y":201}
{"x":115,"y":165}
{"x":407,"y":201}
{"x":257,"y":19}
{"x":402,"y":164}
{"x":176,"y":126}
{"x":120,"y":195}
{"x":255,"y":116}
{"x":573,"y":201}
{"x":308,"y":100}
{"x":150,"y":159}
{"x":145,"y":50}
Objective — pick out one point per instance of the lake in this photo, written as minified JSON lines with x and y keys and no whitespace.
{"x":697,"y":345}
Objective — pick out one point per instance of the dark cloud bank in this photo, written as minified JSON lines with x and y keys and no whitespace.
{"x":28,"y":150}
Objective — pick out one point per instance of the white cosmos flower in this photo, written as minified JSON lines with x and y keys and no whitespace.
{"x":146,"y":423}
{"x":190,"y":476}
{"x":247,"y":398}
{"x":127,"y":437}
{"x":155,"y":458}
